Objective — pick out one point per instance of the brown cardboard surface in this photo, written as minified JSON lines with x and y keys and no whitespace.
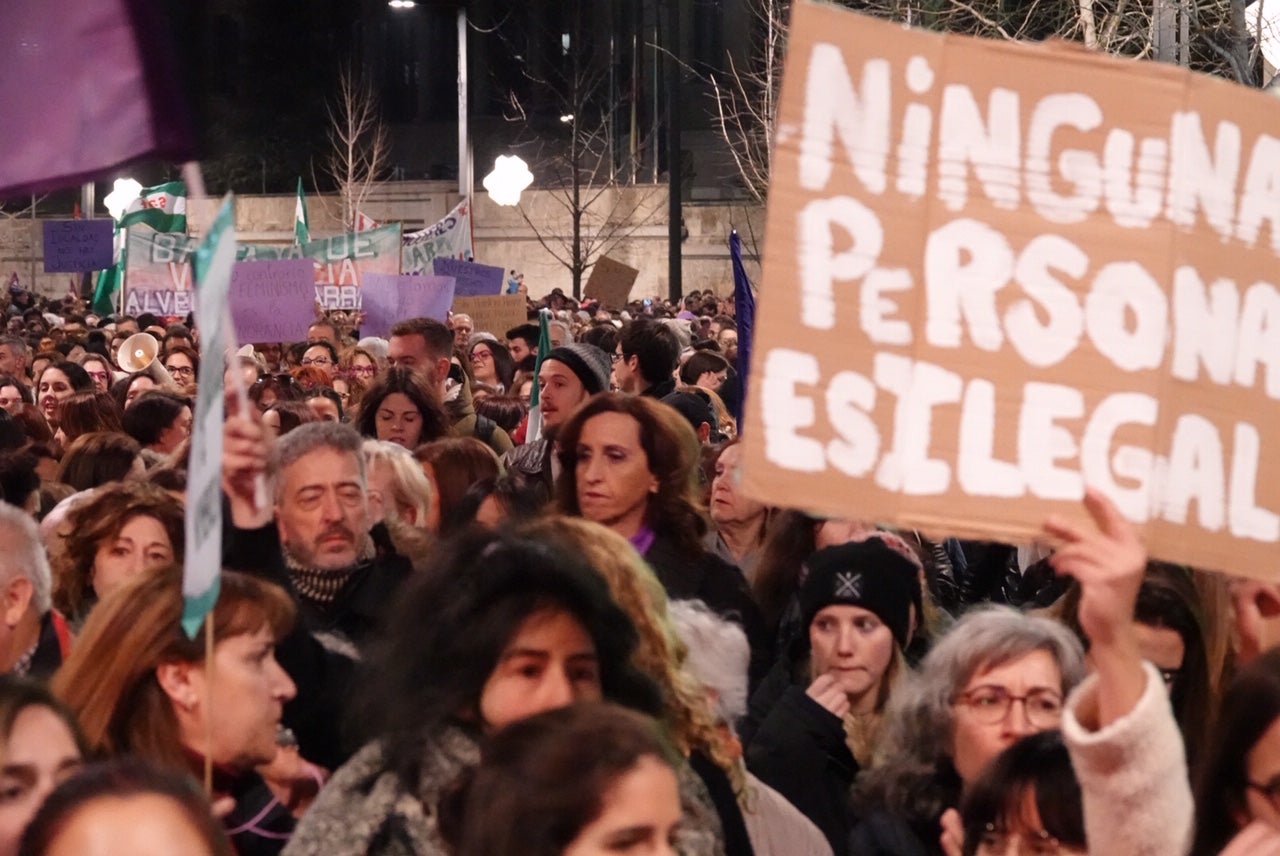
{"x":994,"y":272}
{"x":610,"y":283}
{"x":494,"y":314}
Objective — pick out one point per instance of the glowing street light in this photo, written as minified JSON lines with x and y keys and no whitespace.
{"x":508,"y":180}
{"x":122,"y":195}
{"x":401,"y":4}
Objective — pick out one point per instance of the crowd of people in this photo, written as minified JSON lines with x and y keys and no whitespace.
{"x":457,"y":624}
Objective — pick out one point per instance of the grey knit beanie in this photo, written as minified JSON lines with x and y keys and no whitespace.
{"x":589,"y":363}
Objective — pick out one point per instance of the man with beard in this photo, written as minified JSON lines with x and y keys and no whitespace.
{"x":317,"y":540}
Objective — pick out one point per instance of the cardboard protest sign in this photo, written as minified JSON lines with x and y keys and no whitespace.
{"x":78,"y":245}
{"x":388,"y":299}
{"x":496,"y":314}
{"x":272,"y":301}
{"x":474,"y":280}
{"x":610,"y":282}
{"x":341,"y":262}
{"x":449,"y":238}
{"x":157,"y":272}
{"x":997,"y":272}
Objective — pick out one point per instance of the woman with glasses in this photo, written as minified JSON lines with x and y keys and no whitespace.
{"x":321,"y":355}
{"x":183,"y":365}
{"x":360,"y":364}
{"x":491,"y":364}
{"x":1000,"y":676}
{"x":1027,"y":798}
{"x":98,"y":368}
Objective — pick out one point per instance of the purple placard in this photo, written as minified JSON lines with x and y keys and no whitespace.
{"x":74,"y":246}
{"x":474,"y":279}
{"x":273,"y":301}
{"x":386,"y":299}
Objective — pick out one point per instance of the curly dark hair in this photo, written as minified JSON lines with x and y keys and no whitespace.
{"x":414,"y":385}
{"x":672,"y":450}
{"x":101,"y":517}
{"x":451,"y":623}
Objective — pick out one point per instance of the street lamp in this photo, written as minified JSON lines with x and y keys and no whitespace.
{"x":122,"y":195}
{"x":401,"y":4}
{"x":508,"y":180}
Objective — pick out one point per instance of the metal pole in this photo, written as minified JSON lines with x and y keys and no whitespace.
{"x":675,"y":222}
{"x":464,"y":144}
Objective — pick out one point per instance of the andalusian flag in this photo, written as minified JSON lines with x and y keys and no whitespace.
{"x":107,"y":292}
{"x":533,"y":429}
{"x":163,"y":208}
{"x":301,"y":225}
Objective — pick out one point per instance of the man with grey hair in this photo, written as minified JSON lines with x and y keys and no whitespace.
{"x":14,"y":356}
{"x":317,"y":538}
{"x":33,"y":636}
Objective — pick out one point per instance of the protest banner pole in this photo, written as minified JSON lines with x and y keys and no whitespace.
{"x":208,"y":719}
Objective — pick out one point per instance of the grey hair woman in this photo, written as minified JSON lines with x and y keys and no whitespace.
{"x":996,"y":676}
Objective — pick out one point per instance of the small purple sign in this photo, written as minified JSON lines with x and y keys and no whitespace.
{"x":273,"y":301}
{"x":387,"y":298}
{"x":474,"y":279}
{"x":75,"y":246}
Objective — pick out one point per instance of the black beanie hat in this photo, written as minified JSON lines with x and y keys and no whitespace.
{"x":869,"y":574}
{"x":592,"y":365}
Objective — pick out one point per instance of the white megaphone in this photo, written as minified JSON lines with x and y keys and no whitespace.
{"x":140,"y":353}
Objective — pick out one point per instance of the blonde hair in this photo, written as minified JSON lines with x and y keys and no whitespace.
{"x":660,"y":654}
{"x":411,"y":489}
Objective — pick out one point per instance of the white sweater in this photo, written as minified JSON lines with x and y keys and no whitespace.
{"x":1133,"y":775}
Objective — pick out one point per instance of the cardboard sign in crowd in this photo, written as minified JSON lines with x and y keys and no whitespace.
{"x":996,"y":272}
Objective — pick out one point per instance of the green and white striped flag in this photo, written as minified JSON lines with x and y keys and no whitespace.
{"x":202,"y":565}
{"x":533,"y":430}
{"x":163,"y":208}
{"x":301,"y":225}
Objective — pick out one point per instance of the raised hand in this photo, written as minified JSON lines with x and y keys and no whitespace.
{"x":1107,"y":561}
{"x":244,"y":459}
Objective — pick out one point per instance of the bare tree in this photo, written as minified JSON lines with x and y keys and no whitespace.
{"x":1209,"y":36}
{"x":359,"y":143}
{"x":746,"y":98}
{"x":591,"y":186}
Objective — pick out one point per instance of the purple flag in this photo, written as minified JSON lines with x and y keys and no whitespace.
{"x":87,"y":86}
{"x":744,"y":309}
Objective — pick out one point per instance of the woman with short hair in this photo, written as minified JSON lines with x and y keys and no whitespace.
{"x":568,"y":782}
{"x":159,"y":421}
{"x":100,"y":457}
{"x":401,"y":408}
{"x":112,"y":537}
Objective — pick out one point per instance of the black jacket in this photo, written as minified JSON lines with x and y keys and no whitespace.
{"x":797,"y":747}
{"x":704,"y":576}
{"x":360,"y":610}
